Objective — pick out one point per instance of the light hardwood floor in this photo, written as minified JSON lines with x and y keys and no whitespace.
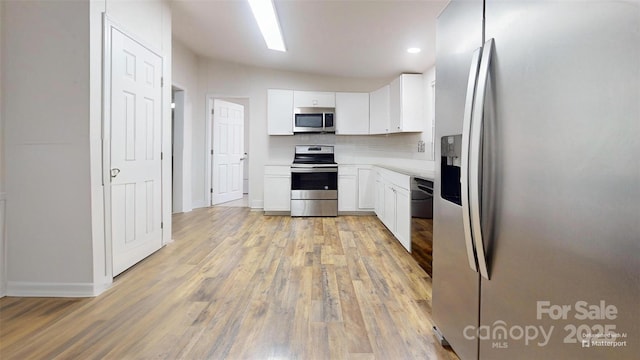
{"x":239,"y":285}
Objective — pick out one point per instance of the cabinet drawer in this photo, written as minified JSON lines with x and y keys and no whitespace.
{"x":398,"y":179}
{"x":347,"y":170}
{"x":278,"y":170}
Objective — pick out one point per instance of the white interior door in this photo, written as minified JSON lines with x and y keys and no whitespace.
{"x":136,"y":198}
{"x":228,"y":151}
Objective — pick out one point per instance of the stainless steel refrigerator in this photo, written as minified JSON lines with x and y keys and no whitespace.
{"x":536,"y":250}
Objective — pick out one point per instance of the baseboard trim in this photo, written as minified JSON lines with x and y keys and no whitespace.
{"x":278,"y":213}
{"x":199,"y":204}
{"x":32,"y":289}
{"x":356,"y":213}
{"x":257,"y":204}
{"x":3,"y":246}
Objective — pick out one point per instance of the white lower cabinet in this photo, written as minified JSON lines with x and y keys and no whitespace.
{"x":366,"y":189}
{"x":347,"y":188}
{"x":393,"y":204}
{"x":356,"y":188}
{"x":389,"y":218}
{"x":379,"y":197}
{"x":277,"y":188}
{"x":403,"y":217}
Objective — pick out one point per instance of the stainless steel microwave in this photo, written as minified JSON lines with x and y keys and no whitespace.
{"x":314,"y":119}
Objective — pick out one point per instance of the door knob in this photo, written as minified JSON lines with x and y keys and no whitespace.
{"x":115,"y":172}
{"x":244,"y":156}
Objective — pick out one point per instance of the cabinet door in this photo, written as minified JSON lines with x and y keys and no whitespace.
{"x":379,"y":111}
{"x":413,"y":100}
{"x":406,"y":104}
{"x":352,"y":113}
{"x":347,"y":193}
{"x":314,"y":99}
{"x":379,"y":202}
{"x":277,"y":193}
{"x":279,"y":112}
{"x":395,"y":105}
{"x":403,"y":217}
{"x":390,"y":207}
{"x":366,"y":189}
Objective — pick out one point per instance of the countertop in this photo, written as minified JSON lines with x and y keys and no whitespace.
{"x":422,"y":174}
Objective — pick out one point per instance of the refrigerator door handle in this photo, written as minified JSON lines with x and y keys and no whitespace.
{"x":475,"y":160}
{"x":464,"y":166}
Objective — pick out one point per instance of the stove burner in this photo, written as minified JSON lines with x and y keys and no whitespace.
{"x":314,"y":154}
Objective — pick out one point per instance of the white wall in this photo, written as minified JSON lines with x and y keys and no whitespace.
{"x":224,"y":79}
{"x":52,"y":113}
{"x":101,"y":274}
{"x":46,"y":112}
{"x":3,"y":260}
{"x":429,"y":111}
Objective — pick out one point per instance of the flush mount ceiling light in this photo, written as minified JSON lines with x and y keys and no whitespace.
{"x":267,"y":19}
{"x":413,"y":50}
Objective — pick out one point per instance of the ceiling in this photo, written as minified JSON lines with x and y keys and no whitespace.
{"x":355,"y":38}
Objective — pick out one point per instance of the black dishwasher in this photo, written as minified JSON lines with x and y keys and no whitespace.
{"x":422,"y":222}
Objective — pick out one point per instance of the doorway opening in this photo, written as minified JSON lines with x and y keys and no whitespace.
{"x":180,"y":150}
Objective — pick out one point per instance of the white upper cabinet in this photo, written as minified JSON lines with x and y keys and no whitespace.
{"x":396,"y":107}
{"x":406,"y":104}
{"x":279,"y":112}
{"x":379,"y":111}
{"x":314,"y":99}
{"x":352,"y":113}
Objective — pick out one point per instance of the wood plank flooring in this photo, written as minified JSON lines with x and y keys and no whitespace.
{"x":239,"y":285}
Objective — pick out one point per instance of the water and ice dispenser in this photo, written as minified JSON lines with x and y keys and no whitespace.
{"x":451,"y":148}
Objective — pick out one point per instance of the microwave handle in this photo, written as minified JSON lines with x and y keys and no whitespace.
{"x":324,"y":120}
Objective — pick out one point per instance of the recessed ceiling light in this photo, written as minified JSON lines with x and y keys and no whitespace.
{"x":267,"y":19}
{"x":413,"y":50}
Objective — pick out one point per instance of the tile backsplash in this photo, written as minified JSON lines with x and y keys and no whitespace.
{"x":355,"y":149}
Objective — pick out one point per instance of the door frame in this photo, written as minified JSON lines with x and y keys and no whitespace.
{"x":208,"y":173}
{"x":181,"y":154}
{"x":109,"y":25}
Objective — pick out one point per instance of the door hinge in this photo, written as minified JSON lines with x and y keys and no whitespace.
{"x":162,"y":82}
{"x":161,"y":225}
{"x":213,"y":111}
{"x":211,"y":190}
{"x":161,"y":155}
{"x":211,"y":151}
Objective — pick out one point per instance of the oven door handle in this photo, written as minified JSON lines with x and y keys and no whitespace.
{"x":314,"y":170}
